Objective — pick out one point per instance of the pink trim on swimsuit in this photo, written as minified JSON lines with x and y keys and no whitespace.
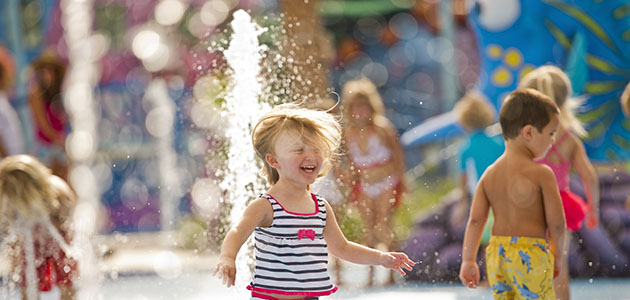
{"x":291,"y":293}
{"x":298,"y":214}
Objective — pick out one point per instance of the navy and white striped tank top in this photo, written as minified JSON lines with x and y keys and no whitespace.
{"x":291,"y":254}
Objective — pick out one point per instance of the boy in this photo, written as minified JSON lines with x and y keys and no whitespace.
{"x":526,"y":204}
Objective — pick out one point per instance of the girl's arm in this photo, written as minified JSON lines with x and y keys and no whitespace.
{"x":257,"y":213}
{"x":554,"y":215}
{"x":469,"y":271}
{"x":340,"y":247}
{"x":397,"y":150}
{"x":585,"y":169}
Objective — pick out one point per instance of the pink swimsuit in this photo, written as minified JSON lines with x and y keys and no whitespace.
{"x":574,"y":206}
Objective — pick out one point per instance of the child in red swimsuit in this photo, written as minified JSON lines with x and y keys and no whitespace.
{"x":567,"y":151}
{"x":39,"y":209}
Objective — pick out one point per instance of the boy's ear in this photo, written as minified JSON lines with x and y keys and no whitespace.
{"x":271,"y":160}
{"x":527,"y":132}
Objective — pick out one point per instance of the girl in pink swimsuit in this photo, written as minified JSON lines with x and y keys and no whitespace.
{"x":567,"y":151}
{"x":375,"y":160}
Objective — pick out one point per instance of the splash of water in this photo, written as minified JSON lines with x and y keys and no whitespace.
{"x":243,"y":109}
{"x":159,"y":123}
{"x":81,"y":144}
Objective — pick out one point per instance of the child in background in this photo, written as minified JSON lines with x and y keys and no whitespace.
{"x":294,"y":228}
{"x":375,"y":163}
{"x":34,"y":198}
{"x":568,"y":151}
{"x":47,"y":108}
{"x":478,"y":151}
{"x":526,"y":204}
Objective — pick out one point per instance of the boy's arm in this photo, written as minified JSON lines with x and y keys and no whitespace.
{"x":340,"y":247}
{"x":554,"y":214}
{"x":469,"y":271}
{"x":590,"y":181}
{"x":258,"y":213}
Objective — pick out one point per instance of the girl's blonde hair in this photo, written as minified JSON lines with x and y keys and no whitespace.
{"x":553,"y":82}
{"x":474,"y":112}
{"x":317,"y":128}
{"x":362,"y":90}
{"x":25,"y":187}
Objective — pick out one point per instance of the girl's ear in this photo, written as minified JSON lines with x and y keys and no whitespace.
{"x":271,"y":160}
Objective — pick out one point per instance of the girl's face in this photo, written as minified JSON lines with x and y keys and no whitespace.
{"x":295,"y":159}
{"x":361,"y":112}
{"x":542,"y":141}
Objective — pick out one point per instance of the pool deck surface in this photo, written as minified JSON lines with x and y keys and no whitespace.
{"x":138,"y":268}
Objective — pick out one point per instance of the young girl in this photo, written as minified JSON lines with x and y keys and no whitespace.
{"x":36,"y":206}
{"x":376,"y":161}
{"x":294,"y":228}
{"x":567,"y":151}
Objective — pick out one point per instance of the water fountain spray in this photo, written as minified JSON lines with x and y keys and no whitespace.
{"x":243,"y":108}
{"x":82,"y":143}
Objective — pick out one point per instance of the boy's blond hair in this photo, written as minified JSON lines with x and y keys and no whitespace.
{"x":317,"y":128}
{"x":25,"y":187}
{"x":625,"y":101}
{"x":553,"y":82}
{"x":355,"y":91}
{"x":525,"y":107}
{"x":474,"y":112}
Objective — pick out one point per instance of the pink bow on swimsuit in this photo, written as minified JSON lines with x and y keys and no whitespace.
{"x":309,"y":233}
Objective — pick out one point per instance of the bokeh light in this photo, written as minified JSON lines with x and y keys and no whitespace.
{"x":169,"y":12}
{"x":167,"y":265}
{"x":146,"y":43}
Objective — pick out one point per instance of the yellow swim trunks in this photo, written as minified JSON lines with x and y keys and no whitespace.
{"x":520,"y":268}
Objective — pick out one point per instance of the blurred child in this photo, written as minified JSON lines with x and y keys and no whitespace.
{"x":37,"y":205}
{"x":11,"y":135}
{"x":567,"y":151}
{"x":376,"y":162}
{"x":330,"y":187}
{"x":51,"y":120}
{"x":478,"y":151}
{"x":294,"y":228}
{"x":526,"y":203}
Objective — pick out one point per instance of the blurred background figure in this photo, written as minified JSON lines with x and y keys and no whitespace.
{"x":331,"y":186}
{"x":11,"y":134}
{"x":49,"y":115}
{"x":480,"y":149}
{"x":567,"y":152}
{"x":37,"y":220}
{"x":375,"y":160}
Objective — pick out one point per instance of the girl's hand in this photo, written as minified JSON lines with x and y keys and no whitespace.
{"x":469,"y":274}
{"x":396,"y":261}
{"x":592,"y":220}
{"x":225,"y":270}
{"x":592,"y":217}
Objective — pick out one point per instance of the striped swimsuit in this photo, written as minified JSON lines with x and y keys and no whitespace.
{"x":291,"y":254}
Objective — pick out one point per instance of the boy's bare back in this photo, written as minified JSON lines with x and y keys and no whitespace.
{"x":514,"y":189}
